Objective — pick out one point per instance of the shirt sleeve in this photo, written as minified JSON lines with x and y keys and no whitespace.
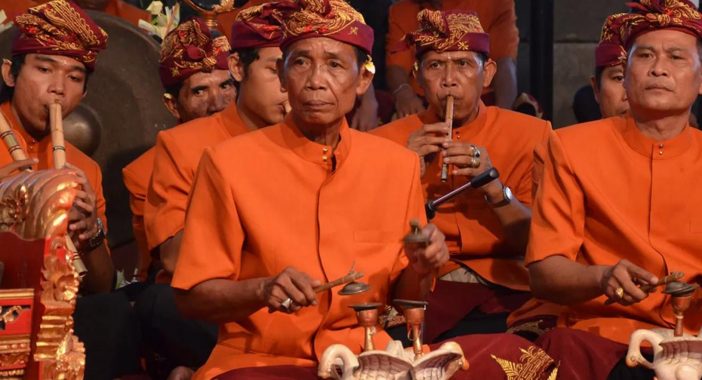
{"x":167,"y":196}
{"x":415,"y":210}
{"x":558,"y":215}
{"x":213,"y":236}
{"x":504,"y":35}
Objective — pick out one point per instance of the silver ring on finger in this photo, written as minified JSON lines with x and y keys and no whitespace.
{"x":286,"y":304}
{"x":474,"y":162}
{"x":475,"y":151}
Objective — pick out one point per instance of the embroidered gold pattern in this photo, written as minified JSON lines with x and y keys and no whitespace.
{"x":534,"y":364}
{"x":443,"y":33}
{"x":661,"y":14}
{"x":191,"y":49}
{"x":66,"y":29}
{"x":323,"y":17}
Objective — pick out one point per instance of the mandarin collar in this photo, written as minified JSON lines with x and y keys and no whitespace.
{"x":465,"y":130}
{"x":653,"y":149}
{"x":314,"y":152}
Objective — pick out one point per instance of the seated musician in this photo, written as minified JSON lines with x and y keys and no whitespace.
{"x":276,"y":212}
{"x":610,"y":61}
{"x":194,"y":87}
{"x":486,"y":229}
{"x":53,"y":56}
{"x":613,"y":212}
{"x":173,"y":161}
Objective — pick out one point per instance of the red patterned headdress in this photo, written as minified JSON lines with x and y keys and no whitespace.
{"x":59,"y":27}
{"x":334,"y":19}
{"x":610,"y":51}
{"x":649,"y":15}
{"x":256,"y":27}
{"x":448,"y":31}
{"x":190,"y":49}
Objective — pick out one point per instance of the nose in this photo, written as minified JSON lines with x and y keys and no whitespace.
{"x":659,"y":68}
{"x":217,"y":101}
{"x":315,"y":78}
{"x":58,"y":85}
{"x":449,"y":78}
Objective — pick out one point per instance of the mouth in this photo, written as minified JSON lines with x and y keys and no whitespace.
{"x":316,"y":105}
{"x":658,"y":88}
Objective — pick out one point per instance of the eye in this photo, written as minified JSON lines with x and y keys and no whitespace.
{"x":618,"y":78}
{"x":43,"y":69}
{"x":434,"y":65}
{"x":76,"y":78}
{"x":300,"y":61}
{"x":198,"y":92}
{"x":272,"y":69}
{"x":226,"y":85}
{"x":335,"y":64}
{"x":463,"y":63}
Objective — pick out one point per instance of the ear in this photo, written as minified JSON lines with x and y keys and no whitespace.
{"x":280,"y":65}
{"x":595,"y":88}
{"x":235,"y":67}
{"x":489,"y":70}
{"x":365,"y":80}
{"x":171,"y":105}
{"x":7,"y":77}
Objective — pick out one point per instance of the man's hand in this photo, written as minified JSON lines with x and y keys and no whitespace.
{"x":82,"y":218}
{"x":426,"y":140}
{"x":470,"y":160}
{"x":407,"y":102}
{"x":425,"y":260}
{"x":366,"y":116}
{"x":16,"y":165}
{"x":288,"y":284}
{"x":621,"y":282}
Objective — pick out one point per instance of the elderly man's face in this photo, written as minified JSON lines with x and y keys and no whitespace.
{"x":323,"y":79}
{"x":663,"y":74}
{"x":202,"y":94}
{"x":42,"y":80}
{"x":609,"y":92}
{"x":462,"y":74}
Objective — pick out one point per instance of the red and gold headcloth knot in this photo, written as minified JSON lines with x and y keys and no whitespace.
{"x":610,"y":51}
{"x":256,"y":27}
{"x":59,"y":27}
{"x":649,"y":15}
{"x":448,"y":31}
{"x":334,"y":19}
{"x":190,"y":49}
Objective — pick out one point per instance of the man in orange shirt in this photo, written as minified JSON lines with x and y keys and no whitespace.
{"x":253,"y":65}
{"x":612,"y":212}
{"x":275,"y":212}
{"x":486,"y":230}
{"x":497,"y":18}
{"x":610,"y":60}
{"x":53,"y":55}
{"x":196,"y":86}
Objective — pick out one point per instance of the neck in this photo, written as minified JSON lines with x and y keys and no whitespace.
{"x":324,"y":134}
{"x":251,"y":120}
{"x":661,"y":128}
{"x":35,"y":133}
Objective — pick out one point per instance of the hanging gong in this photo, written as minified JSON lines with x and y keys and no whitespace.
{"x":119,"y":117}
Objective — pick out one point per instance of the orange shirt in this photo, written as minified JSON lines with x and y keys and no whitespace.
{"x":497,"y":17}
{"x":136,"y":178}
{"x":472,"y":229}
{"x":43,"y":152}
{"x":176,"y":155}
{"x":609,"y":193}
{"x":268,"y":200}
{"x":117,"y":8}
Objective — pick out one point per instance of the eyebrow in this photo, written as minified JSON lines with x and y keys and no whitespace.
{"x":227,"y":81}
{"x":48,"y":59}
